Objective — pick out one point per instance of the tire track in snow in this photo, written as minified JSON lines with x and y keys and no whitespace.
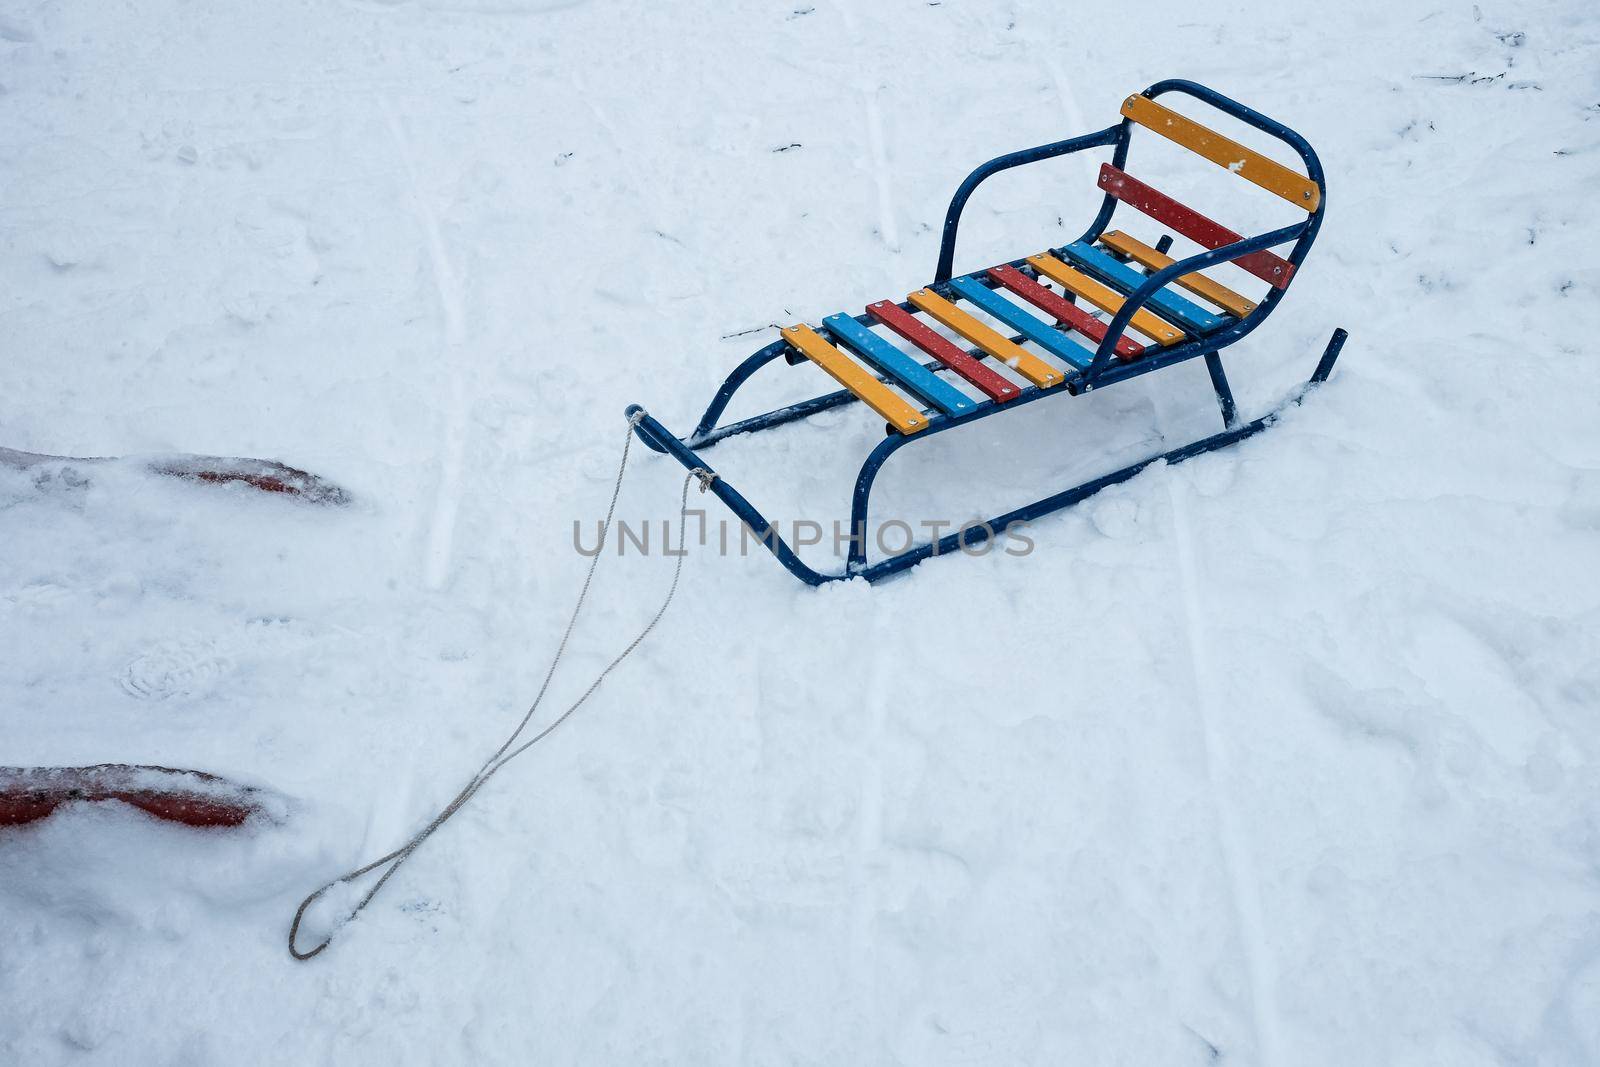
{"x":447,"y":496}
{"x":1236,"y":855}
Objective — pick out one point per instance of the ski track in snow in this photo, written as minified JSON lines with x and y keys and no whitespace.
{"x":1243,"y":886}
{"x":1072,"y":117}
{"x":878,"y":153}
{"x":880,"y":171}
{"x":867,"y":857}
{"x":447,"y":497}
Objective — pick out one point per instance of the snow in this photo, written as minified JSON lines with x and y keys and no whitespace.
{"x":1287,"y":755}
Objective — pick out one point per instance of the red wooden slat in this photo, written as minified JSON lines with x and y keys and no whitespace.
{"x":1053,"y":303}
{"x":1270,"y":268}
{"x":993,"y":385}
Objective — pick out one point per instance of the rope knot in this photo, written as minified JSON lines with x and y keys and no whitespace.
{"x":704,"y":477}
{"x":637,"y":417}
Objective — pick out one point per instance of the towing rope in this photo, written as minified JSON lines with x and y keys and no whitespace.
{"x":506,"y":753}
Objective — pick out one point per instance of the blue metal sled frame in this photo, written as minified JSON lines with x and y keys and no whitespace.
{"x":1106,"y":368}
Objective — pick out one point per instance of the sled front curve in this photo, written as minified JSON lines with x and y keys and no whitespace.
{"x":1151,"y":325}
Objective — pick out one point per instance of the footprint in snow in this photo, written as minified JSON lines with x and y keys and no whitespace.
{"x":192,"y":666}
{"x":37,"y":597}
{"x":1116,"y":517}
{"x":186,"y":667}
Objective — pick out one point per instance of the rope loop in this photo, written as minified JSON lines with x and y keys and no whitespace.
{"x":506,"y":753}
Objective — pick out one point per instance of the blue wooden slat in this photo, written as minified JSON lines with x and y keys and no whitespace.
{"x":1169,"y":304}
{"x":1034,"y":329}
{"x":899,"y":366}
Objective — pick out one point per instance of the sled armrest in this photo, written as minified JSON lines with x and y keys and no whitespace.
{"x":1158,"y":280}
{"x":952,"y":218}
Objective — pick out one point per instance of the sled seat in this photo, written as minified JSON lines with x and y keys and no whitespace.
{"x":907,"y":394}
{"x":1068,"y":342}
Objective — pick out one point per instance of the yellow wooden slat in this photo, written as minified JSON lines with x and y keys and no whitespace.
{"x":996,"y":344}
{"x":1196,"y":283}
{"x":1225,"y":152}
{"x":1103,"y":297}
{"x":850,"y":374}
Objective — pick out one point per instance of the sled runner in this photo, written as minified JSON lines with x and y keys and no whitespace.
{"x":1162,"y":312}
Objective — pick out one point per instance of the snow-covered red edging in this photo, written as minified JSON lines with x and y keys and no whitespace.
{"x":193,"y":798}
{"x":267,"y":475}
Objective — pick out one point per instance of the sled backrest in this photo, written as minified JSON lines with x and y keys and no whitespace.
{"x":1225,"y":152}
{"x":1303,"y":190}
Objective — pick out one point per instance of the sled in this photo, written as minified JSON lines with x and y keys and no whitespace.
{"x":263,"y":475}
{"x":192,"y":798}
{"x":1162,"y":312}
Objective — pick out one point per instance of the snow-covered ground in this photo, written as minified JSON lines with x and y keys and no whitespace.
{"x":1284,"y":756}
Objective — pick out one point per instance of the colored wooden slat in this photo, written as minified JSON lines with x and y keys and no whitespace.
{"x":850,"y":374}
{"x":1004,"y":349}
{"x":1054,"y":304}
{"x":1270,"y":268}
{"x":906,"y":371}
{"x":993,"y":385}
{"x":1103,"y":297}
{"x":1196,"y":283}
{"x":1225,"y":152}
{"x":1168,"y":304}
{"x":1038,"y":331}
